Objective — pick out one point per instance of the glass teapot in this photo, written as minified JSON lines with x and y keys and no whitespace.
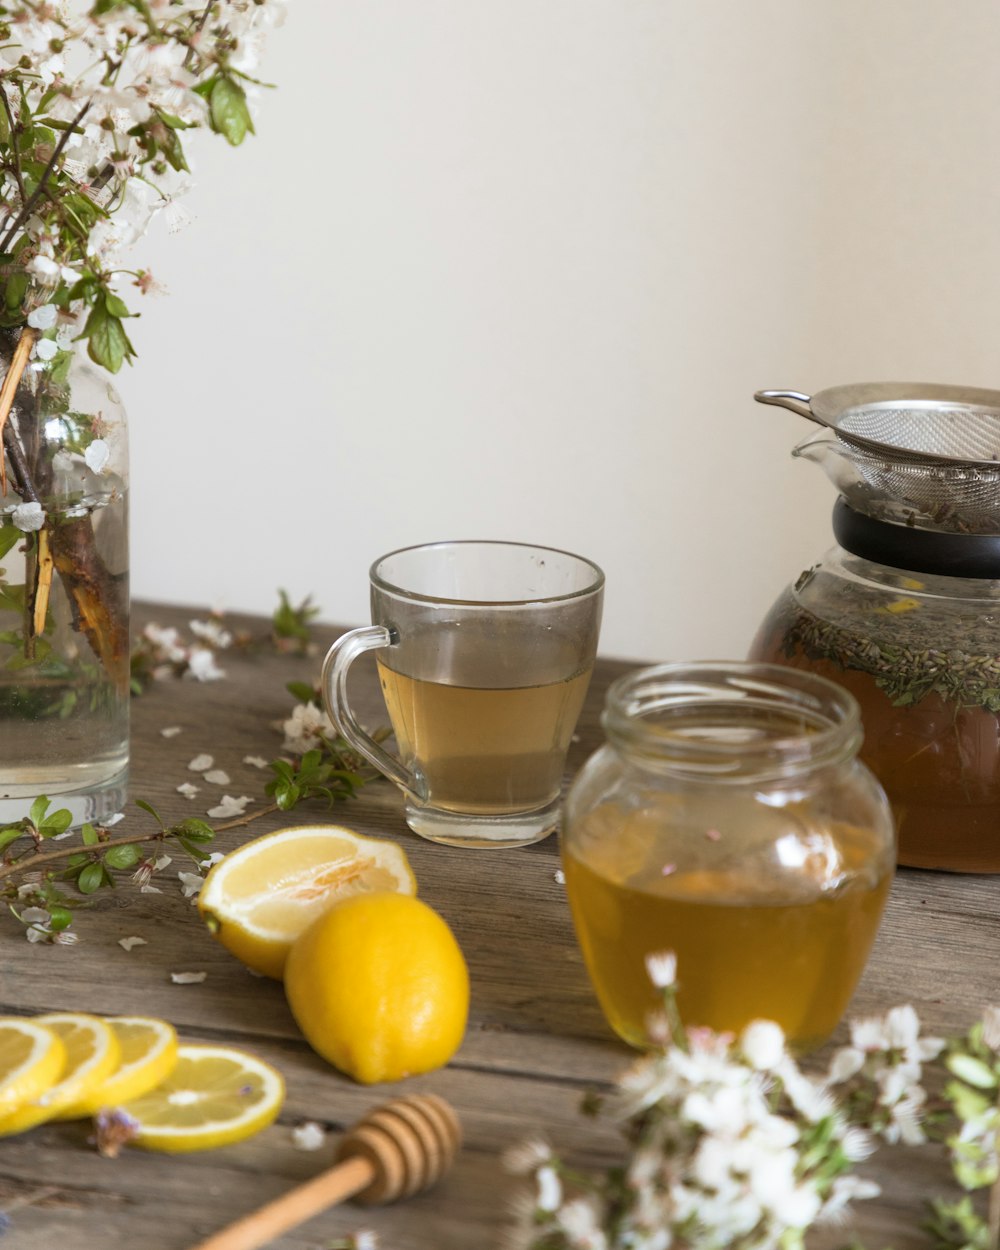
{"x":905,"y":610}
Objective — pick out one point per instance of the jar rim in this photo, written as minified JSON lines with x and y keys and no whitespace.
{"x":731,"y":720}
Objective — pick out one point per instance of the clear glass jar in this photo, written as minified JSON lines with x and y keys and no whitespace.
{"x":921,"y":654}
{"x":64,"y":594}
{"x":728,"y":819}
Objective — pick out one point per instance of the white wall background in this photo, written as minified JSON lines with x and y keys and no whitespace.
{"x":514,"y":268}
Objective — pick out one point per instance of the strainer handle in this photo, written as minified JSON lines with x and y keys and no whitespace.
{"x":794,"y":400}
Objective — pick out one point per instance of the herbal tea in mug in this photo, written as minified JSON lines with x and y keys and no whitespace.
{"x":484,"y":651}
{"x":488,"y":743}
{"x":729,"y":821}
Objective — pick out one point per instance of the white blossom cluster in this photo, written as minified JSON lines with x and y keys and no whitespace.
{"x":306,"y":729}
{"x":97,"y":99}
{"x":732,"y":1145}
{"x":167,"y":654}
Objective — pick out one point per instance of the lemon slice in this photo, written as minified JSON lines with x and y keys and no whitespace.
{"x":92,"y":1052}
{"x":214,"y":1096}
{"x":264,"y":894}
{"x":148,"y":1052}
{"x":31,"y":1059}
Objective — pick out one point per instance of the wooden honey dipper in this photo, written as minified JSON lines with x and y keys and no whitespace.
{"x":393,"y":1152}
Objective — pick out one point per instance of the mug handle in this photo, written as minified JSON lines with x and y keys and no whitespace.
{"x":338,"y":661}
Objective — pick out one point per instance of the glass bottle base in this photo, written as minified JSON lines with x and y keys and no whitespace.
{"x":90,"y":801}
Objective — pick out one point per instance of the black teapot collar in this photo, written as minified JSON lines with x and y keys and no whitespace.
{"x":916,"y":550}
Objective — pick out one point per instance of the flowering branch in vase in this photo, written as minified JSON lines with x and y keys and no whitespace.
{"x":729,"y":1143}
{"x":97,"y":101}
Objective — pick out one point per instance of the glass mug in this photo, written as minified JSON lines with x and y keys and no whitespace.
{"x":728,"y":819}
{"x":484,"y":653}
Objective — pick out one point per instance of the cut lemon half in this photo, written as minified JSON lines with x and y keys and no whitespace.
{"x":31,"y":1059}
{"x":92,"y":1053}
{"x":148,"y":1053}
{"x":214,"y":1096}
{"x":263,"y":895}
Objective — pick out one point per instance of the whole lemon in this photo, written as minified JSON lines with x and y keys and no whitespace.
{"x":379,"y":987}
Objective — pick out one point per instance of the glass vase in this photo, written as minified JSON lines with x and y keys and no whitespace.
{"x":64,"y":596}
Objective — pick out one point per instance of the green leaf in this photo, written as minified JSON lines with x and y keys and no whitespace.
{"x":967,"y":1103}
{"x":148,"y":807}
{"x":36,"y":813}
{"x":8,"y":537}
{"x":195,"y":830}
{"x":287,"y":796}
{"x":83,"y":289}
{"x":175,"y":123}
{"x":193,"y":849}
{"x":14,"y":290}
{"x":172,"y":149}
{"x":115,"y":305}
{"x":90,"y":879}
{"x":9,"y":835}
{"x":60,"y":918}
{"x":121,"y":857}
{"x":56,"y":824}
{"x":107,"y":343}
{"x":302,"y":691}
{"x":973,"y":1071}
{"x":228,"y":112}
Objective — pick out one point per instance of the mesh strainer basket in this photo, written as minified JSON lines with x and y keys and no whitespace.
{"x":916,"y":453}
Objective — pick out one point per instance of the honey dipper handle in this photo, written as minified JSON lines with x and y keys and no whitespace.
{"x":298,"y":1205}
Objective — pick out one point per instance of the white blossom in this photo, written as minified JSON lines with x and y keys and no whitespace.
{"x":43,"y":317}
{"x":305,"y":727}
{"x":202,"y":666}
{"x":230,"y":806}
{"x":549,"y":1188}
{"x":201,"y":763}
{"x":763,"y":1044}
{"x":191,"y":883}
{"x":45,"y":349}
{"x":188,"y":978}
{"x":187,"y":789}
{"x":527,"y":1156}
{"x":308,"y":1136}
{"x":662,"y":969}
{"x":28,"y":517}
{"x":211,"y":632}
{"x":217,"y":777}
{"x":97,"y":455}
{"x":166,"y":643}
{"x":255,"y":761}
{"x":127,"y":943}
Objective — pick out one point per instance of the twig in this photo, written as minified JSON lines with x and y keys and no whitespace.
{"x":14,"y":129}
{"x":8,"y":390}
{"x":29,"y":863}
{"x":28,"y":207}
{"x":202,"y":20}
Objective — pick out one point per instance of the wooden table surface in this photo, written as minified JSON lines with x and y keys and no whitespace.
{"x":536,"y":1039}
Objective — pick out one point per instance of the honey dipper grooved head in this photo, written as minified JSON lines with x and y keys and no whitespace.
{"x":409,"y":1142}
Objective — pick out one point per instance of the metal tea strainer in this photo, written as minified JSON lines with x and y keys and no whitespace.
{"x":922,"y":448}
